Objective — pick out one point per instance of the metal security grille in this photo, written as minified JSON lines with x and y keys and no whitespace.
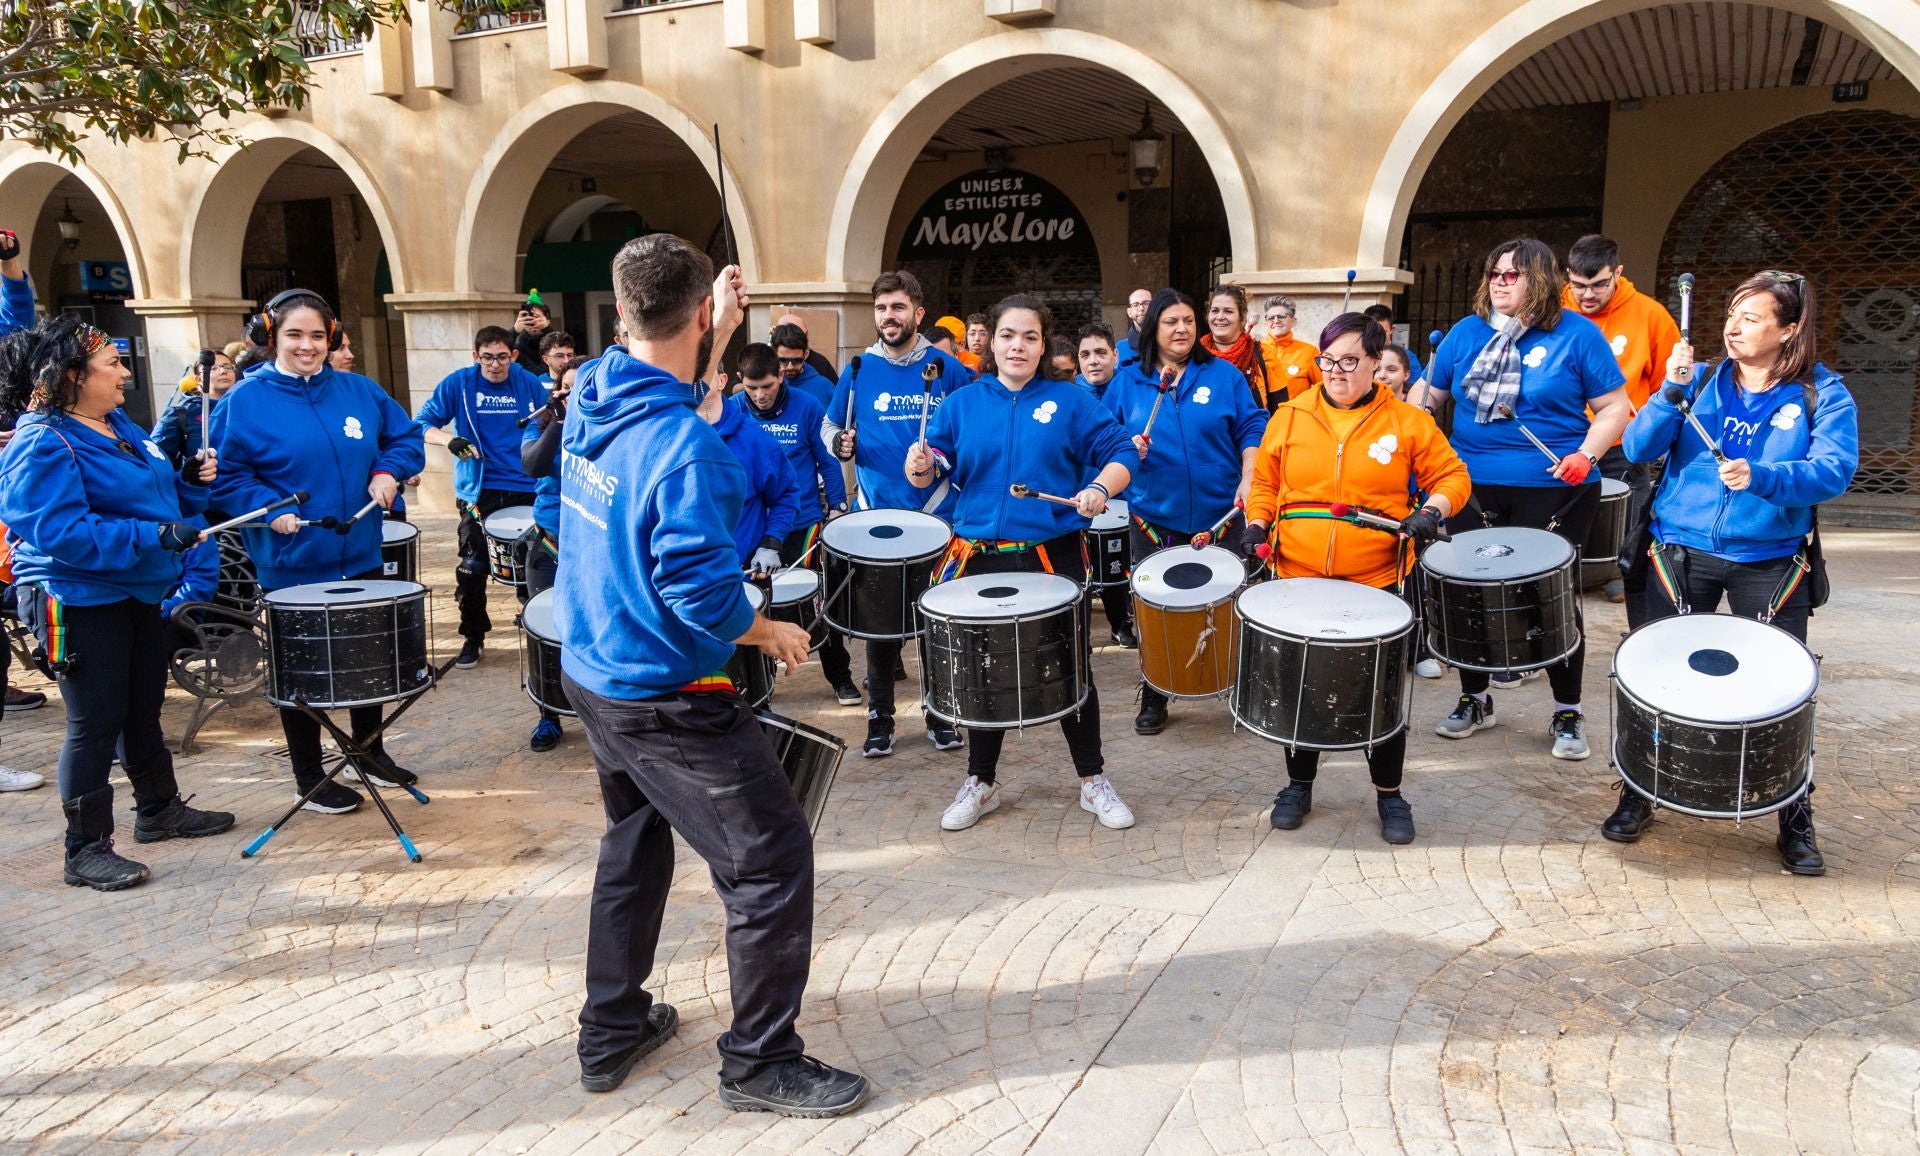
{"x":1836,"y":197}
{"x":1069,"y":285}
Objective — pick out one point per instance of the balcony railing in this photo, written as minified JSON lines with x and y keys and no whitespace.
{"x":488,"y":15}
{"x":630,"y":5}
{"x":319,"y":38}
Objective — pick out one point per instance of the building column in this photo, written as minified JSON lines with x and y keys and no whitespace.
{"x":1319,"y":294}
{"x":839,"y":315}
{"x":179,"y":328}
{"x":440,"y":329}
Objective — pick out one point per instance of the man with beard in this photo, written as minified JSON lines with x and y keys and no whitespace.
{"x":1227,"y":339}
{"x":1128,"y":348}
{"x":790,"y":350}
{"x":887,"y":396}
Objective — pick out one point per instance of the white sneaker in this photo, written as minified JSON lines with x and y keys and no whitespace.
{"x":12,"y":780}
{"x":1508,"y":680}
{"x":974,"y":800}
{"x":1429,"y":668}
{"x":1098,"y":796}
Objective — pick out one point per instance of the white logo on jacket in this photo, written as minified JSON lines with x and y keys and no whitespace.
{"x":1203,"y":395}
{"x":155,"y":450}
{"x":881,"y":403}
{"x":1043,"y":413}
{"x":1293,"y":371}
{"x":1536,"y":357}
{"x":1786,"y":415}
{"x":1619,"y":345}
{"x":352,"y":428}
{"x":1382,"y":451}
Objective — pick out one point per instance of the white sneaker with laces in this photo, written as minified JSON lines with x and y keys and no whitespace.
{"x":1429,"y":668}
{"x":12,"y":780}
{"x":1507,"y":680}
{"x":1098,"y":796}
{"x":974,"y":799}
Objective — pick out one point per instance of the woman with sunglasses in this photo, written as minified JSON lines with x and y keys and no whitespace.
{"x":1303,"y":463}
{"x":1521,"y":368}
{"x":1737,"y":529}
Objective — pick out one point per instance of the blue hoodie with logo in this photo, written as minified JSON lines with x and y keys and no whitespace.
{"x":650,"y":598}
{"x":1796,"y":465}
{"x":813,"y":383}
{"x":328,"y":435}
{"x":1051,"y":436}
{"x":794,"y":422}
{"x":774,"y":496}
{"x":887,"y":396}
{"x":487,"y":415}
{"x":83,"y":513}
{"x":1189,"y":477}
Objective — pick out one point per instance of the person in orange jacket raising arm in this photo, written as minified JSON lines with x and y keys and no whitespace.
{"x":1302,"y":469}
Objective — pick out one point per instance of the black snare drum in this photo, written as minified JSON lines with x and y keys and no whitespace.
{"x":347,"y":643}
{"x":750,"y":668}
{"x":1607,"y":538}
{"x":399,"y":551}
{"x":1109,"y":555}
{"x":796,"y":599}
{"x":540,"y":655}
{"x":809,"y":756}
{"x":1323,"y":663}
{"x":504,"y":528}
{"x":1713,"y":715}
{"x":877,"y":563}
{"x":1501,"y":599}
{"x":1003,"y":650}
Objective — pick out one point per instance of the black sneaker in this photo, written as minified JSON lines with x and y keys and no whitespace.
{"x":469,"y":654}
{"x":1629,"y":820}
{"x":334,"y":799}
{"x":1396,"y":819}
{"x":18,"y":699}
{"x":847,"y":694}
{"x":879,"y":738}
{"x":180,"y":821}
{"x":97,"y":866}
{"x":546,"y":735}
{"x":942,"y":735}
{"x":1123,"y":636}
{"x":804,"y":1087}
{"x":663,"y":1021}
{"x":1291,"y":805}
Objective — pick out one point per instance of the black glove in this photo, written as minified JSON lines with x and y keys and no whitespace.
{"x":179,"y":536}
{"x":1423,"y":525}
{"x":460,"y":447}
{"x":190,"y":470}
{"x":1252,"y":538}
{"x":9,"y":245}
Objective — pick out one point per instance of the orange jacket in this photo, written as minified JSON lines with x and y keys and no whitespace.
{"x":1396,"y":449}
{"x":1642,"y":334}
{"x":1289,"y":360}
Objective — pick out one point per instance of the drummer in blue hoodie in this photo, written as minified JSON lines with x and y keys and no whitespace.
{"x":649,"y":607}
{"x":97,"y":518}
{"x":882,"y":392}
{"x":773,"y":496}
{"x":484,"y":402}
{"x":1196,"y":464}
{"x":297,"y":424}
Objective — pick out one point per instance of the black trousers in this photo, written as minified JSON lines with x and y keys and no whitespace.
{"x":113,"y":680}
{"x":1570,"y":509}
{"x":470,"y":577}
{"x":1633,"y":569}
{"x":1081,"y":728}
{"x":1142,"y":540}
{"x":835,"y":662}
{"x":1747,"y":586}
{"x":698,"y":764}
{"x":1385,"y":762}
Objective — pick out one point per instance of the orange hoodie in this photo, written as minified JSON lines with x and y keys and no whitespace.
{"x":1642,"y":334}
{"x":1289,"y":362}
{"x":1396,"y":449}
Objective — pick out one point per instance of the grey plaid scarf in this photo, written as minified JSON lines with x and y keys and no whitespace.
{"x":1493,"y":383}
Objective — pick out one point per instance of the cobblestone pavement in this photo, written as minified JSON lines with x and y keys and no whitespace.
{"x":1199,"y":983}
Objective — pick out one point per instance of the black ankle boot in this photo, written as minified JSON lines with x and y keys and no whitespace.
{"x":1798,"y":850}
{"x":1630,"y":818}
{"x":179,"y":821}
{"x":1152,"y":718}
{"x":91,"y":861}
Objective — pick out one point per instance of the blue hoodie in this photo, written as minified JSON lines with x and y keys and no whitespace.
{"x":794,"y":422}
{"x":16,"y":305}
{"x":1051,"y":436}
{"x":201,"y":579}
{"x":650,"y":598}
{"x":177,"y":433}
{"x":1562,"y":370}
{"x":887,"y":422}
{"x":83,"y":514}
{"x":487,"y":415}
{"x":328,"y":435}
{"x":1795,"y":468}
{"x":774,"y":495}
{"x":546,"y":490}
{"x":813,"y":383}
{"x":1188,"y":479}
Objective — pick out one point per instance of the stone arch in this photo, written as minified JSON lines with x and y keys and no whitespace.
{"x":27,"y":178}
{"x":527,"y":144}
{"x":856,"y":237}
{"x":1891,"y":27}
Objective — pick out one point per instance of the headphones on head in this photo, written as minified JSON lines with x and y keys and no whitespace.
{"x":261,"y":325}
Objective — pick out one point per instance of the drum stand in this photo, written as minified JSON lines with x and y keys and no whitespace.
{"x":354,"y":750}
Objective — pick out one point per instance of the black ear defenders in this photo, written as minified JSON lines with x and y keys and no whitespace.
{"x":261,"y":325}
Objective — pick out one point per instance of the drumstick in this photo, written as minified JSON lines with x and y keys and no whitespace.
{"x":1678,"y":397}
{"x":1684,"y":282}
{"x":1341,"y":510}
{"x":1020,"y":491}
{"x":206,"y":387}
{"x":1506,"y":411}
{"x":802,"y":559}
{"x":1166,"y":384}
{"x":290,"y":500}
{"x":327,"y":523}
{"x":357,"y":515}
{"x":928,"y":376}
{"x":1205,"y":537}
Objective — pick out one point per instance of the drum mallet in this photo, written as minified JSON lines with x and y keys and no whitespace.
{"x":206,"y":387}
{"x":1020,"y":491}
{"x":928,"y":376}
{"x":1205,"y":537}
{"x":1684,"y":283}
{"x":1346,"y":302}
{"x":1676,"y":396}
{"x":1363,"y":518}
{"x":358,"y":514}
{"x":1506,"y":411}
{"x":1166,"y":387}
{"x":853,"y":388}
{"x":327,"y":523}
{"x":292,"y":499}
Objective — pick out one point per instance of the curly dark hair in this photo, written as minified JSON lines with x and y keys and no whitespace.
{"x":41,"y":368}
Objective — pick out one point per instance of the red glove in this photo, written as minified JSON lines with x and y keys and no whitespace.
{"x":1573,"y":468}
{"x":9,"y":245}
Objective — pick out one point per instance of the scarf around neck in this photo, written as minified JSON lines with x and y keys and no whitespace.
{"x":1493,"y":383}
{"x":1243,"y":355}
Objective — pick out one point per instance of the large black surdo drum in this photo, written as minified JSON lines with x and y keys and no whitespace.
{"x":540,"y":655}
{"x":1003,"y":650}
{"x":1324,"y":664}
{"x":877,"y":563}
{"x":750,"y":668}
{"x":809,"y":756}
{"x":399,"y":551}
{"x":1501,"y":599}
{"x":347,"y":643}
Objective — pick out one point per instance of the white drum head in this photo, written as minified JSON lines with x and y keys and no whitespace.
{"x":1325,"y":608}
{"x":508,"y":522}
{"x":1716,"y":668}
{"x":537,"y":616}
{"x":392,"y":532}
{"x":343,"y":592}
{"x":1114,"y":517}
{"x":1613,"y":490}
{"x":755,"y":599}
{"x":992,"y":596}
{"x":1181,"y":576}
{"x":887,"y":535}
{"x":1498,"y":555}
{"x":790,"y":586}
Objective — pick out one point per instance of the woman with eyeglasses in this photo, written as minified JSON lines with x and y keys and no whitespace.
{"x":1304,"y":465}
{"x":178,"y":432}
{"x":1520,"y":368}
{"x":1737,"y":529}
